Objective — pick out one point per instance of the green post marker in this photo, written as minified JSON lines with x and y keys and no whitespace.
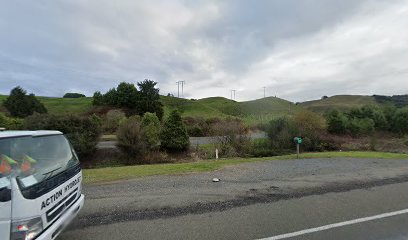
{"x":298,"y":141}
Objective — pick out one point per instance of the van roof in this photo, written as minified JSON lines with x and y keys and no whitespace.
{"x":7,"y":134}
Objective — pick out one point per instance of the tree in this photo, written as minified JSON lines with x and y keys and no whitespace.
{"x":378,"y":116}
{"x":126,"y":95}
{"x":149,"y":98}
{"x":97,"y":99}
{"x":174,"y":135}
{"x":21,"y":105}
{"x":151,"y":130}
{"x":110,"y":97}
{"x":73,"y":95}
{"x":361,"y":126}
{"x":400,"y":121}
{"x":336,"y":122}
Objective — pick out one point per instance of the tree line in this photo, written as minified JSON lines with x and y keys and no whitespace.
{"x":135,"y":100}
{"x":367,"y":119}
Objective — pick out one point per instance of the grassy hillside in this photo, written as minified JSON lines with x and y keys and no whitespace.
{"x":63,"y":105}
{"x":340,"y":102}
{"x":252,"y":112}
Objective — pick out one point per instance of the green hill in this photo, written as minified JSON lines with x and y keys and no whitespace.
{"x":63,"y":105}
{"x":340,"y":102}
{"x":252,"y":112}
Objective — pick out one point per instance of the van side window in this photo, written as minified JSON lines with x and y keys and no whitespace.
{"x":5,"y":191}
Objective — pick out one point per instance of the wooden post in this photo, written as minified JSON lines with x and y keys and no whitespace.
{"x":297,"y":149}
{"x":216,"y":153}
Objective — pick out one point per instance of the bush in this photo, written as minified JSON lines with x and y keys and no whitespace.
{"x":197,"y":126}
{"x":281,"y":132}
{"x":375,"y":114}
{"x":21,"y":105}
{"x":73,"y":95}
{"x":307,"y":125}
{"x":362,"y":126}
{"x":151,"y":131}
{"x":174,"y":135}
{"x":10,"y":123}
{"x":336,"y":122}
{"x":262,"y":148}
{"x":112,"y":120}
{"x":130,"y":140}
{"x":400,"y":121}
{"x":230,"y":138}
{"x":83,"y":133}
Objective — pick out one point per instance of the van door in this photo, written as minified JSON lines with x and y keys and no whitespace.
{"x":5,"y":207}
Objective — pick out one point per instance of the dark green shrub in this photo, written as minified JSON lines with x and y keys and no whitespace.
{"x":149,"y":99}
{"x":174,"y":135}
{"x":262,"y":148}
{"x":336,"y":122}
{"x":362,"y":126}
{"x":281,"y":132}
{"x":400,"y":121}
{"x":73,"y":95}
{"x":21,"y":105}
{"x":82,"y":132}
{"x":377,"y":115}
{"x":151,"y":131}
{"x":126,"y":95}
{"x":97,"y":99}
{"x":195,"y":131}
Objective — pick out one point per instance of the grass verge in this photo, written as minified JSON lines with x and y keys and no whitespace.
{"x":129,"y":172}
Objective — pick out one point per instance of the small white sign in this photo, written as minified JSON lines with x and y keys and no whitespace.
{"x":29,"y":181}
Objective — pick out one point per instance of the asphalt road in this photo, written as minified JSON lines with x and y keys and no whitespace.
{"x":252,"y":201}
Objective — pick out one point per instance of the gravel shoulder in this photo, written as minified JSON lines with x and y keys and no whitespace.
{"x":241,"y":185}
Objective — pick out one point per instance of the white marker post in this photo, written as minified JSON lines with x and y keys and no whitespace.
{"x":216,"y":153}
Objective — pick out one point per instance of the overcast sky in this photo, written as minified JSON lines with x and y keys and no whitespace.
{"x":298,"y":49}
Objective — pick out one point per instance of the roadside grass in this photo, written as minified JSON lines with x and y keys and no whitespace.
{"x":129,"y":172}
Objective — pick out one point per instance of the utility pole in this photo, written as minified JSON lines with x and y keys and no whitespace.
{"x":264,"y":91}
{"x":182,"y":88}
{"x":233,"y":94}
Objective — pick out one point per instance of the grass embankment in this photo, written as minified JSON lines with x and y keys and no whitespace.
{"x":129,"y":172}
{"x":340,"y":102}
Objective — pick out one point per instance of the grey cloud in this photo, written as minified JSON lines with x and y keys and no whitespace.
{"x":297,"y":49}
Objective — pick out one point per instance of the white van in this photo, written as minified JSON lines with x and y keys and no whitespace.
{"x":40,"y":184}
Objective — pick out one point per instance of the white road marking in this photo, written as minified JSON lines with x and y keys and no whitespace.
{"x":336,"y":225}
